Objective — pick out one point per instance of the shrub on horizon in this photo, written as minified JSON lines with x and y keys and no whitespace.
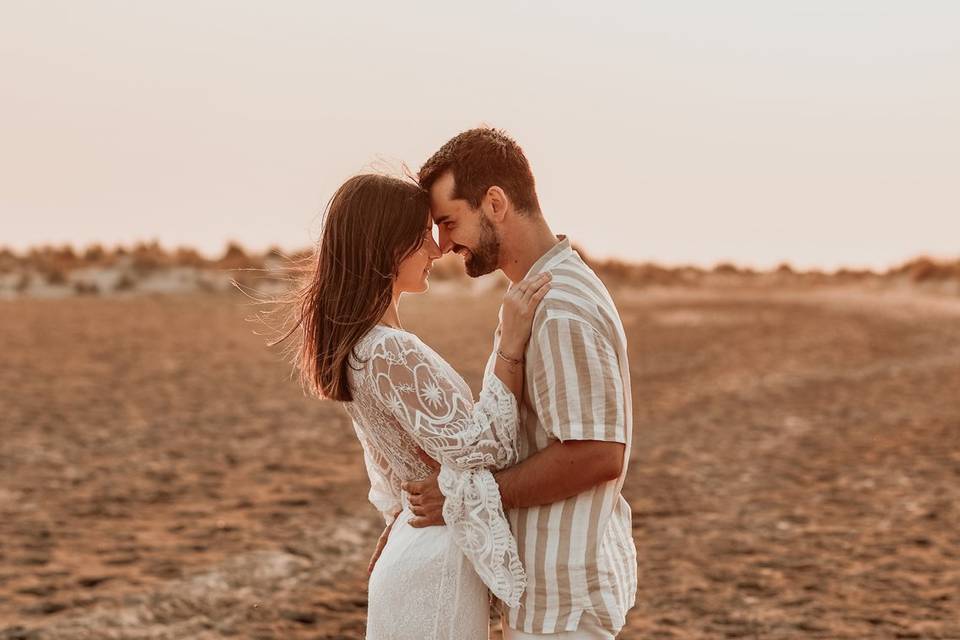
{"x":55,"y":276}
{"x":86,"y":288}
{"x":924,"y":268}
{"x":785,"y":268}
{"x":727,"y":268}
{"x":8,"y":260}
{"x":853,"y":274}
{"x":188,"y":257}
{"x":148,"y":257}
{"x":125,"y":283}
{"x":23,"y":283}
{"x":234,"y":257}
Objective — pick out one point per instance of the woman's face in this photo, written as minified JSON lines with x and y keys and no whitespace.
{"x":414,"y":269}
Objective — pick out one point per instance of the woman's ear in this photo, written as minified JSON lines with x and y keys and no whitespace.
{"x":497,"y":203}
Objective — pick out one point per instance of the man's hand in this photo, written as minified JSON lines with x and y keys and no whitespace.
{"x":426,"y":501}
{"x":381,"y":543}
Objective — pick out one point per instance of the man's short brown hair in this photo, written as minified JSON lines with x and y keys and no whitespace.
{"x":479,"y":159}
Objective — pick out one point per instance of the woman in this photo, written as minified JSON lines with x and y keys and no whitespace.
{"x":403,"y":398}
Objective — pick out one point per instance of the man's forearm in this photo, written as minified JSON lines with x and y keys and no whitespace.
{"x":560,"y":471}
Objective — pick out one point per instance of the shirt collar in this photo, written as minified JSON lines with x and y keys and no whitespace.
{"x":557,"y":254}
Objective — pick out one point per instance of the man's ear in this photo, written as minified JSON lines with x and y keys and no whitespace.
{"x":497,"y":203}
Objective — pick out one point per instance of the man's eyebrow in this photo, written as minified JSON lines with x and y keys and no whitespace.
{"x":440,"y":219}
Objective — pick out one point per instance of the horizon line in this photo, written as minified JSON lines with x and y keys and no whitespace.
{"x":80,"y":250}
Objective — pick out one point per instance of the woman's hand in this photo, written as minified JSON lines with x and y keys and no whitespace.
{"x":519,"y":305}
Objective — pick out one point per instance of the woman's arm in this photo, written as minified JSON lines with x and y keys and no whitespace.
{"x":438,"y":411}
{"x":519,"y":305}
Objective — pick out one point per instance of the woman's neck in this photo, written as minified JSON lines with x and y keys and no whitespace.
{"x":391,"y":317}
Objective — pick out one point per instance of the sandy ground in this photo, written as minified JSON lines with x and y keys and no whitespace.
{"x":795,"y":472}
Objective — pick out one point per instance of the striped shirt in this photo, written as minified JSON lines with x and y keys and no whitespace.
{"x":578,"y":553}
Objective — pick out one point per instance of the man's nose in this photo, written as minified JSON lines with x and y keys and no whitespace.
{"x":445,"y":243}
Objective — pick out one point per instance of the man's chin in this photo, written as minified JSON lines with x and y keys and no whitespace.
{"x":475,"y":270}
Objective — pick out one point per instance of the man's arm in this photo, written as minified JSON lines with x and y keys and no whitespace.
{"x":556,"y":473}
{"x":560,"y":471}
{"x":577,"y":392}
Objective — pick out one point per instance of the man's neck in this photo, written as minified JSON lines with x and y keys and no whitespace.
{"x":523,"y":246}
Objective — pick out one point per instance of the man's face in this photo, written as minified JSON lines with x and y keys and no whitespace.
{"x":463,"y":229}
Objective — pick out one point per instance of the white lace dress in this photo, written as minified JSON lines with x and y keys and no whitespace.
{"x":431,"y":583}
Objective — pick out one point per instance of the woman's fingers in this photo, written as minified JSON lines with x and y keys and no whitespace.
{"x":540,"y":282}
{"x":527,"y":288}
{"x":539,"y":293}
{"x":540,"y":285}
{"x":531,"y":303}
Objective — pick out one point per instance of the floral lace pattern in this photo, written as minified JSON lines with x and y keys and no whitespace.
{"x":406,"y":397}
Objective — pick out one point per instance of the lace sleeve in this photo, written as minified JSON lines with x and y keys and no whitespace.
{"x":436,"y":407}
{"x":439,"y":411}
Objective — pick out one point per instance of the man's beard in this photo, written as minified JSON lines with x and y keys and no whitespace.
{"x":486,"y":256}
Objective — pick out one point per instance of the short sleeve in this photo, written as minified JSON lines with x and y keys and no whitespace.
{"x":575,"y":383}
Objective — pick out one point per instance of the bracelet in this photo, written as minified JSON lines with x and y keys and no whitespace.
{"x":511,"y":361}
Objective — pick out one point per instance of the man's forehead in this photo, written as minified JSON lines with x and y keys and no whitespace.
{"x":442,"y":202}
{"x":443,"y":187}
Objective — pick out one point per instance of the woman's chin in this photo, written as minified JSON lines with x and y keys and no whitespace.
{"x":415,"y":289}
{"x":424,"y":285}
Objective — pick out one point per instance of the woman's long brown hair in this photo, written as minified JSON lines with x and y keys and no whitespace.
{"x":372,"y":223}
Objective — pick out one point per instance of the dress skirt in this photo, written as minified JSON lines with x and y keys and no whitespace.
{"x":424,"y":588}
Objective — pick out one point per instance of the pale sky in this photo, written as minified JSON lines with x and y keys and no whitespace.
{"x":821,"y":132}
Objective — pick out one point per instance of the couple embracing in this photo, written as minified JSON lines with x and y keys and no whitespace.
{"x":516,"y":494}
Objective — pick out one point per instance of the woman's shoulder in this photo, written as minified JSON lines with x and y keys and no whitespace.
{"x":396,"y":354}
{"x":383,"y":341}
{"x":382,"y":350}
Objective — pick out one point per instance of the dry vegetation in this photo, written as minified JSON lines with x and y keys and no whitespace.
{"x":795,"y":471}
{"x":149,"y":267}
{"x":143,"y":268}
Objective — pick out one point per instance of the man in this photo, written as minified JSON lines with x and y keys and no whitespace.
{"x":572,"y":525}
